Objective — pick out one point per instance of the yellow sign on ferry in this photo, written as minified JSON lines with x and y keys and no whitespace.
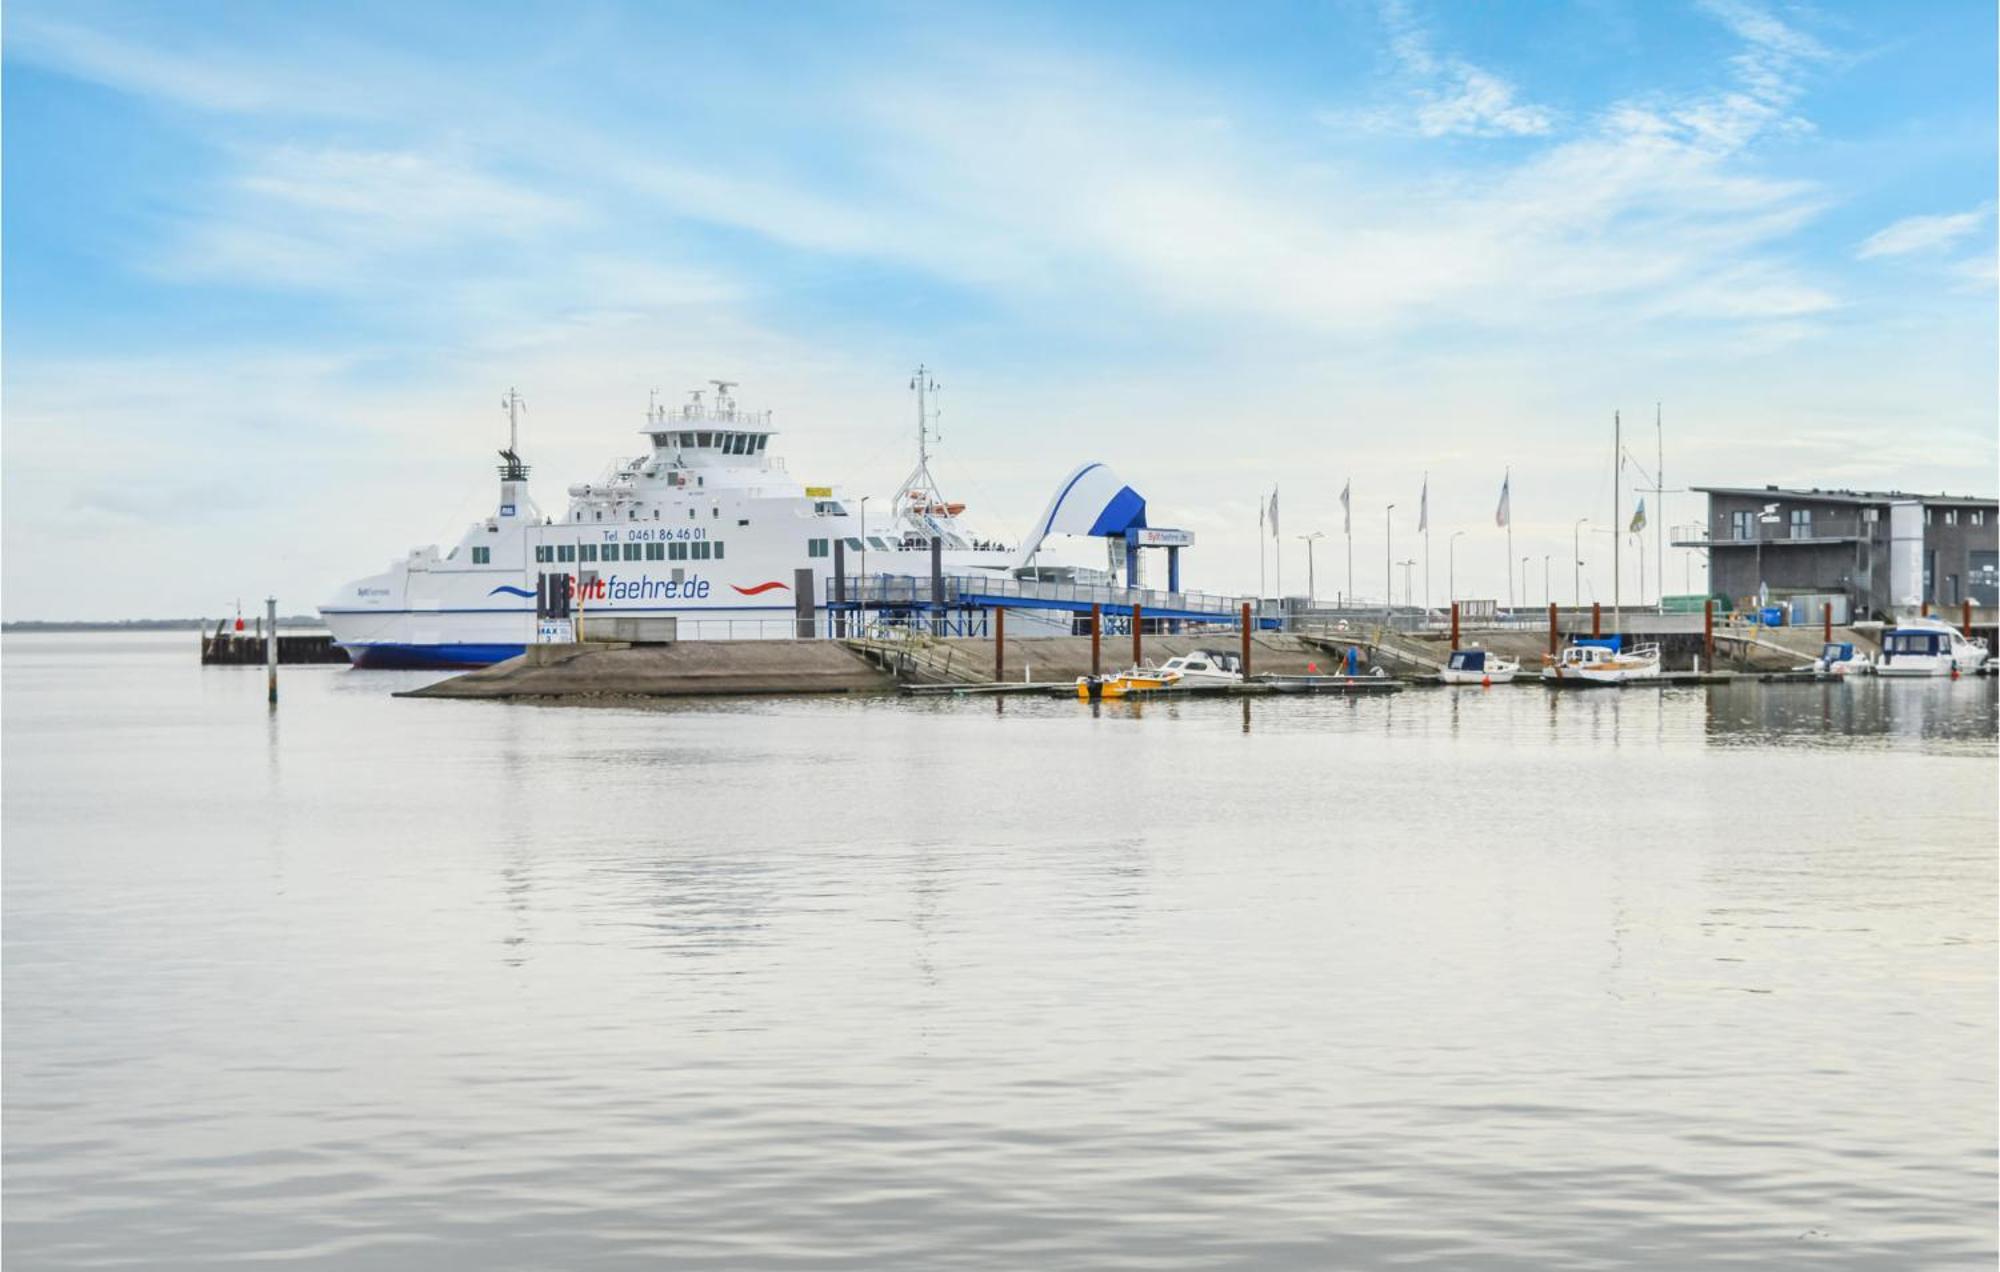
{"x":819,"y":492}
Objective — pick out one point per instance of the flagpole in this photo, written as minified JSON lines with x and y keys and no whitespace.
{"x":1507,"y":485}
{"x":1427,"y":544}
{"x":1617,"y":513}
{"x":1277,"y":548}
{"x":1261,"y":592}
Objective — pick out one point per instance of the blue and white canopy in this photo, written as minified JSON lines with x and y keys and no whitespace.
{"x":1093,"y":500}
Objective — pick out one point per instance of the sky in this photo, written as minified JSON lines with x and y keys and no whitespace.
{"x":269,"y":269}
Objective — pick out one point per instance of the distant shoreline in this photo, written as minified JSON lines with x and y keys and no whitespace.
{"x":147,"y":624}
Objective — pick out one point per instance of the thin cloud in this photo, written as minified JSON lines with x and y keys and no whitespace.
{"x":1922,"y":234}
{"x":1455,"y":98}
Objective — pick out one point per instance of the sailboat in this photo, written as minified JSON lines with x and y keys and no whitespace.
{"x":1606,"y":660}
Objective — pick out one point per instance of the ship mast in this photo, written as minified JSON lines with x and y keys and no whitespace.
{"x":920,"y":482}
{"x":512,"y":469}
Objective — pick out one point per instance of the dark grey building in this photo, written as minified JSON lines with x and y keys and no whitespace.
{"x":1882,"y":549}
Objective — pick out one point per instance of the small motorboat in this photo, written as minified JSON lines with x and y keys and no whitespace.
{"x":1840,"y":658}
{"x":1602,"y":662}
{"x":1478,"y":667}
{"x":1202,"y":669}
{"x":1929,"y":647}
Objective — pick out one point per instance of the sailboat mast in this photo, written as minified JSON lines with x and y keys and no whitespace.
{"x":1617,"y":517}
{"x":1659,"y":509}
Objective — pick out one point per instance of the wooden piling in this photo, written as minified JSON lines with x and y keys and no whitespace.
{"x":1454,"y":624}
{"x":1708,"y":634}
{"x":1927,"y":609}
{"x":1246,"y":640}
{"x":1965,"y":618}
{"x":271,"y":648}
{"x":1138,"y":635}
{"x":999,"y":645}
{"x":1826,"y":622}
{"x":1096,"y":641}
{"x":1596,"y":619}
{"x":1555,"y":636}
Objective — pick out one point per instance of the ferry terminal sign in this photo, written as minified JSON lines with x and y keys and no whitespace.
{"x":1143,"y":538}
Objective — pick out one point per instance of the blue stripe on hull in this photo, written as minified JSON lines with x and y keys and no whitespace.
{"x":387,"y":655}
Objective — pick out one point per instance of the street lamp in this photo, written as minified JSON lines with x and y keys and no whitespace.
{"x":1451,"y":564}
{"x":1312,"y":587}
{"x":1545,"y":577}
{"x":864,"y":566}
{"x":1576,"y":573}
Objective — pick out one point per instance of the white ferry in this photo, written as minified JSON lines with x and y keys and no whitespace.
{"x":706,"y":528}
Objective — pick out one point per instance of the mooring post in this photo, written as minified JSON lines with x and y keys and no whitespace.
{"x":1096,"y":641}
{"x":1927,"y":609}
{"x":1246,"y":640}
{"x":1965,"y":619}
{"x":1555,"y":637}
{"x":1826,"y":622}
{"x":1454,"y":624}
{"x":1708,"y":633}
{"x":1596,"y":619}
{"x":1138,"y":635}
{"x":999,"y":645}
{"x":271,"y":647}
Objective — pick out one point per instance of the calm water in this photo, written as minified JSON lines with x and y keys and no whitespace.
{"x":1493,"y":979}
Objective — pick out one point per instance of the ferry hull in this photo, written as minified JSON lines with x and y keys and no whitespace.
{"x":380,"y":657}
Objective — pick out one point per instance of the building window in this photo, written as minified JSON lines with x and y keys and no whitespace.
{"x":656,"y":551}
{"x":1927,"y":516}
{"x":1743,"y":525}
{"x":1951,"y":589}
{"x":1802,"y":523}
{"x":1871,"y":515}
{"x":1978,"y":516}
{"x":1983,"y":583}
{"x":482,"y":556}
{"x":1951,"y":516}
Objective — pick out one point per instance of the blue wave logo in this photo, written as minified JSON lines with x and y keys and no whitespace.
{"x":512,"y":591}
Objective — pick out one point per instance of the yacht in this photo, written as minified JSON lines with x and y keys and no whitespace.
{"x":1478,"y":667}
{"x":1929,"y":647}
{"x":1602,"y":664}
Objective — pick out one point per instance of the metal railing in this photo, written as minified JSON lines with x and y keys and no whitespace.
{"x":888,"y":591}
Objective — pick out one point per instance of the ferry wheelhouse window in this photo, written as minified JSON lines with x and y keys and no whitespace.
{"x":482,"y":556}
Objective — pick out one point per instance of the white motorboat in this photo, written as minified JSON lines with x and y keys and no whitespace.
{"x":1202,"y":669}
{"x":1602,"y":664}
{"x":1929,"y":647}
{"x":1841,"y":658}
{"x":1478,"y":667}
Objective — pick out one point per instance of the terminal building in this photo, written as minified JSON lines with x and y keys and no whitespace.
{"x":1883,"y":551}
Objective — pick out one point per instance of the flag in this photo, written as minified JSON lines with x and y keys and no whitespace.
{"x":1346,"y":509}
{"x":1639,"y":517}
{"x":1274,"y":512}
{"x":1505,"y":512}
{"x":1424,"y":506}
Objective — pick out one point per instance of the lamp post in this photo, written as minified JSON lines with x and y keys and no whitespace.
{"x":1545,"y":576}
{"x":864,"y":566}
{"x":1409,"y":586}
{"x":1451,"y":565}
{"x":1388,"y":561}
{"x":1576,"y":570}
{"x":1312,"y":585}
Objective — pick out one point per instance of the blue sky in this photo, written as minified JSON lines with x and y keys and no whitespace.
{"x":268,"y":269}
